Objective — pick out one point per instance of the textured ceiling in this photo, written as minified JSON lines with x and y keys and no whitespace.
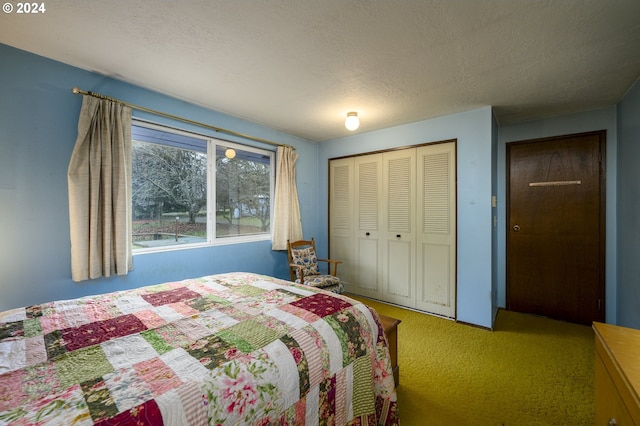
{"x":300,"y":65}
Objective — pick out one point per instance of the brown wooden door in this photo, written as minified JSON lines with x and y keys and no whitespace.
{"x":555,"y":234}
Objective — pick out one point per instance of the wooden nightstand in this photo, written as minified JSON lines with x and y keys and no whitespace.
{"x":390,"y":327}
{"x":617,"y":375}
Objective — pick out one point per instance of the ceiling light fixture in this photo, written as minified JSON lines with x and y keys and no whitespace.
{"x":230,"y":153}
{"x":352,"y":122}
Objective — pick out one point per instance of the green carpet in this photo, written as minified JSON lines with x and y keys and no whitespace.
{"x":527,"y":371}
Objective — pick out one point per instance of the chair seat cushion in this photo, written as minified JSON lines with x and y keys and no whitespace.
{"x":335,"y":288}
{"x":320,"y":281}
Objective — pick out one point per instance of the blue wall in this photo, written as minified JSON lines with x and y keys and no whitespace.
{"x":38,"y":129}
{"x":629,"y":209}
{"x":473,"y":131}
{"x":575,"y":123}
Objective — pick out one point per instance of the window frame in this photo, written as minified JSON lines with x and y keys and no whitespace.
{"x":211,"y":146}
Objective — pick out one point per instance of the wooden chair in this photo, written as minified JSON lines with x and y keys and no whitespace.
{"x":304,"y":268}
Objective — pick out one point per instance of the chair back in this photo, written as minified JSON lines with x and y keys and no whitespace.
{"x":302,"y":253}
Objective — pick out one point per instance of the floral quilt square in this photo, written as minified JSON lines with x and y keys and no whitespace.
{"x":349,"y":331}
{"x":206,"y":303}
{"x":147,"y":414}
{"x":101,"y":331}
{"x":99,"y":401}
{"x":150,"y":318}
{"x":212,"y":351}
{"x":9,"y":330}
{"x":11,"y":393}
{"x":158,"y":376}
{"x":170,"y":296}
{"x":67,"y":407}
{"x":127,"y":389}
{"x":322,"y":304}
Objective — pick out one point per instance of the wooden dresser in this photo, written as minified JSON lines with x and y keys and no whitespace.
{"x":390,"y":326}
{"x":617,"y":375}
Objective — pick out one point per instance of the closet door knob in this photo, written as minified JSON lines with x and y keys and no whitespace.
{"x":367,"y":233}
{"x":398,"y":236}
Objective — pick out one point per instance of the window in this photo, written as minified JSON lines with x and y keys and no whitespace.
{"x":190,"y":190}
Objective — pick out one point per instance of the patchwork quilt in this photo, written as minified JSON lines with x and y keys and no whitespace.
{"x":228,"y":349}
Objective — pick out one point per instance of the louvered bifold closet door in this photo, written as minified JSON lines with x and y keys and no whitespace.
{"x":436,"y":236}
{"x":341,"y":217}
{"x":368,"y":247}
{"x":399,"y":177}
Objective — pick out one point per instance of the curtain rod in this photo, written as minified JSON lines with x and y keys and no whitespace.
{"x":175,"y":117}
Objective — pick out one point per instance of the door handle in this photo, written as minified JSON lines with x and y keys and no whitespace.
{"x":516,"y":228}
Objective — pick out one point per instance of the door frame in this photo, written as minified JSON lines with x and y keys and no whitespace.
{"x":602,"y":134}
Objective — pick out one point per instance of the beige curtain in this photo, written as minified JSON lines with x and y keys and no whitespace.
{"x":287,"y":224}
{"x":99,"y":178}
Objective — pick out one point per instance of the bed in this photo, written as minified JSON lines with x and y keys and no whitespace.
{"x":229,"y":349}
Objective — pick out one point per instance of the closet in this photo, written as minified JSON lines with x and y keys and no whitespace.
{"x":392,"y":221}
